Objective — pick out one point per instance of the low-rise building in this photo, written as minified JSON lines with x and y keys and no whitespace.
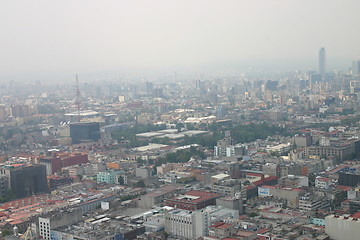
{"x":158,"y":196}
{"x":321,"y":182}
{"x":313,"y":203}
{"x":193,"y":200}
{"x":229,"y":187}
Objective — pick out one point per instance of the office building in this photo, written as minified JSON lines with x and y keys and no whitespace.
{"x":187,"y":224}
{"x":356,"y":68}
{"x":84,"y":132}
{"x":349,"y":179}
{"x":26,"y":180}
{"x":195,"y":224}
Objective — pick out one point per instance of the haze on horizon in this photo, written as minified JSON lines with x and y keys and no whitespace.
{"x":44,"y":38}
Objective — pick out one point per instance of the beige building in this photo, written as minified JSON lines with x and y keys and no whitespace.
{"x":342,"y":227}
{"x":157,"y":197}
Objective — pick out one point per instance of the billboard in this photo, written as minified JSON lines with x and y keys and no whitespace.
{"x":263,"y":191}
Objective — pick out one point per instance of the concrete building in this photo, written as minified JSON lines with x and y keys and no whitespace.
{"x":142,"y":172}
{"x":303,"y":141}
{"x":321,"y":182}
{"x":341,"y":149}
{"x":193,"y":200}
{"x":195,"y":224}
{"x":354,"y":205}
{"x":221,"y":230}
{"x":342,"y":227}
{"x":231,"y":203}
{"x":226,"y":148}
{"x":229,"y":187}
{"x":271,"y":169}
{"x":187,"y":224}
{"x":313,"y":203}
{"x":61,"y":219}
{"x":229,"y":151}
{"x":219,"y":177}
{"x":293,"y":181}
{"x":289,"y":169}
{"x":56,"y":161}
{"x":279,"y":149}
{"x":291,"y":195}
{"x":109,"y":177}
{"x":101,"y":227}
{"x":157,"y":197}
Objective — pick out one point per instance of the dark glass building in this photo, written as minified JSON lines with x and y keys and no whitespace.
{"x":26,"y":180}
{"x":349,"y":179}
{"x":84,"y":132}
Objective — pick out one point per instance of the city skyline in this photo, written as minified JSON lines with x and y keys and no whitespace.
{"x":44,"y":39}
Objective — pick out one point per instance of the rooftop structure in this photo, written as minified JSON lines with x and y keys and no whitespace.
{"x":193,"y":200}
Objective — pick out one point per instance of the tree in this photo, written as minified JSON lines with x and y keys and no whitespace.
{"x":140,"y":184}
{"x":5,"y":232}
{"x":253,"y":214}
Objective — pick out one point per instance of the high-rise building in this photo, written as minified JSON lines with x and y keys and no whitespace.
{"x":26,"y":180}
{"x":84,"y":132}
{"x":356,"y":68}
{"x":322,"y":61}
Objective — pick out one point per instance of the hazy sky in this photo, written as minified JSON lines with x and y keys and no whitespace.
{"x":68,"y":36}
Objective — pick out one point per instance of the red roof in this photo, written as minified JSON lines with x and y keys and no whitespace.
{"x":221,"y":225}
{"x":356,"y":215}
{"x":344,"y":188}
{"x":262,"y":230}
{"x":17,"y":165}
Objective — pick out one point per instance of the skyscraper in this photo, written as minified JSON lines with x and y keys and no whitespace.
{"x":322,"y":61}
{"x":356,"y":68}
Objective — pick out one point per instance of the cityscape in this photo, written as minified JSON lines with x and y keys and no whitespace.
{"x":227,"y":150}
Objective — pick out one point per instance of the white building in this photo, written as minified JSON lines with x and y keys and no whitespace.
{"x":342,"y":227}
{"x":195,"y":224}
{"x":187,"y":224}
{"x":229,"y":151}
{"x":323,"y":183}
{"x":44,"y":228}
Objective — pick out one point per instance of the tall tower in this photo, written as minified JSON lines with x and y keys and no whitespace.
{"x":322,"y":61}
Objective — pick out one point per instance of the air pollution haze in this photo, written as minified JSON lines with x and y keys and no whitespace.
{"x":56,"y":38}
